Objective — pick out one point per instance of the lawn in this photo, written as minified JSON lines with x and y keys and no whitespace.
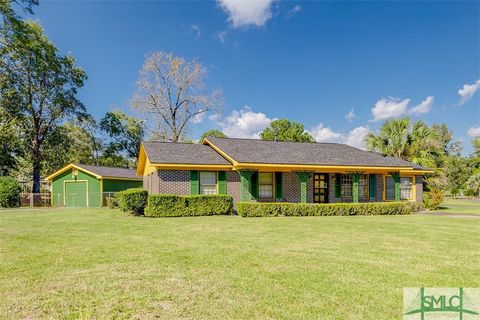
{"x":101,"y":263}
{"x":459,"y":206}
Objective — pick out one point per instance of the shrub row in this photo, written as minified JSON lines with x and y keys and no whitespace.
{"x":9,"y":192}
{"x":275,"y":209}
{"x":132,"y":200}
{"x":165,"y":205}
{"x":432,"y":199}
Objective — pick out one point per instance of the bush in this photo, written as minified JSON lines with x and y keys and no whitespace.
{"x":432,"y":199}
{"x":165,"y":205}
{"x":112,"y":202}
{"x":267,"y":209}
{"x":132,"y":200}
{"x":9,"y":192}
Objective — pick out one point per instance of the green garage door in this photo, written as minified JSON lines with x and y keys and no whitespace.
{"x":76,"y":194}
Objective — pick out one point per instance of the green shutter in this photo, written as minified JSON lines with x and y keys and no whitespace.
{"x":278,"y":185}
{"x":222,"y":182}
{"x":194,"y":183}
{"x":338,"y":185}
{"x":254,"y":185}
{"x":372,"y":186}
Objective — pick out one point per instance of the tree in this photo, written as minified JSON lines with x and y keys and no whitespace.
{"x":126,"y":133}
{"x":10,"y":143}
{"x":38,"y":88}
{"x":415,"y":142}
{"x":213,"y":133}
{"x":445,"y":138}
{"x":476,"y":147}
{"x":173,"y":92}
{"x":473,"y":182}
{"x":284,"y":130}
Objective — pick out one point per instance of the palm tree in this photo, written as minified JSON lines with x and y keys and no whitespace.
{"x":415,"y":142}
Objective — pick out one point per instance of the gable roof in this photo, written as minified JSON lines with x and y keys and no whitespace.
{"x":182,"y":153}
{"x":100,"y":172}
{"x":255,"y":151}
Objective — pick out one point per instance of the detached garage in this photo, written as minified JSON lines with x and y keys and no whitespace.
{"x":77,"y":185}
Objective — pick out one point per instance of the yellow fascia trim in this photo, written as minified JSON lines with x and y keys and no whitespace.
{"x":220,"y":151}
{"x":416,"y":172}
{"x":336,"y":169}
{"x":119,"y":178}
{"x":68,"y":167}
{"x":200,"y":167}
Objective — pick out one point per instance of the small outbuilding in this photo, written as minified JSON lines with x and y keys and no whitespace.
{"x":78,"y":185}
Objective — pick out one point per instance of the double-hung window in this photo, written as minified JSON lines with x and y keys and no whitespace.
{"x":346,"y":182}
{"x":363,"y":186}
{"x":208,"y":182}
{"x":406,"y":188}
{"x":265,"y":185}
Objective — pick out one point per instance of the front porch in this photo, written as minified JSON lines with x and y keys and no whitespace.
{"x":331,"y":187}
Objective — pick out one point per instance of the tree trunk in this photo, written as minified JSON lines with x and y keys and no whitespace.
{"x":37,"y":167}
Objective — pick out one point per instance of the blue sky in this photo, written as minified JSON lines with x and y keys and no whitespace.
{"x":340,"y":68}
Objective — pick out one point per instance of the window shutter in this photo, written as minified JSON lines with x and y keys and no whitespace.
{"x":372,"y":186}
{"x":254,"y":185}
{"x":338,"y":185}
{"x":194,"y":183}
{"x":222,"y":182}
{"x":278,"y":185}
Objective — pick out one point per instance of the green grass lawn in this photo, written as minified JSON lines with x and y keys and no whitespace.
{"x":101,"y":263}
{"x":459,"y":206}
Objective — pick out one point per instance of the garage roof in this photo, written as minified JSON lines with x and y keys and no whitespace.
{"x":99,"y":172}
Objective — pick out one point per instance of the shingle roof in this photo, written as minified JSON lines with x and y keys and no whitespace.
{"x":110,"y":171}
{"x":182,"y":153}
{"x":305,"y":153}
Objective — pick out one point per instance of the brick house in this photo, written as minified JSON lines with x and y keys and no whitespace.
{"x":258,"y":170}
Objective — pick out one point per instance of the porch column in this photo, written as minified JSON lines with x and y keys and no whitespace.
{"x":245,"y":183}
{"x":355,"y":178}
{"x":396,"y":178}
{"x":303,"y":176}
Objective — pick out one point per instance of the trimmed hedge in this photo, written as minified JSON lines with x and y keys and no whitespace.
{"x":166,"y":205}
{"x":9,"y":192}
{"x":132,"y":200}
{"x":275,"y":209}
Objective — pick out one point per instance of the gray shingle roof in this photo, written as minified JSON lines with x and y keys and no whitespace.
{"x":326,"y":154}
{"x":182,"y":153}
{"x":110,"y":171}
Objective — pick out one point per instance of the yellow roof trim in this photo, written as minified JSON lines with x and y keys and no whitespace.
{"x":71,"y":166}
{"x":118,"y":178}
{"x":289,"y":167}
{"x":220,"y":151}
{"x":142,"y":159}
{"x":416,"y":172}
{"x":178,"y":166}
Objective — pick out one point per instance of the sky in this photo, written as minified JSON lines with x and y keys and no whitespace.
{"x":341,"y":68}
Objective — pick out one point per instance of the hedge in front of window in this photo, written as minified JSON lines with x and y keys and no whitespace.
{"x":267,"y":209}
{"x":166,"y":205}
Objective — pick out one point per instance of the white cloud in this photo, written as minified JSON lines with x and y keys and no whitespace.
{"x":324,"y":134}
{"x":294,"y":11}
{"x":244,"y":123}
{"x":196,"y":30}
{"x":467,"y":91}
{"x":474,"y":132}
{"x":388,"y":108}
{"x":199,"y":117}
{"x":247,"y":12}
{"x":354,"y":138}
{"x":423,"y":107}
{"x":350,"y":116}
{"x":221,"y":36}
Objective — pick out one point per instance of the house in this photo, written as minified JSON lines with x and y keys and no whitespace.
{"x":259,"y":170}
{"x":78,"y":185}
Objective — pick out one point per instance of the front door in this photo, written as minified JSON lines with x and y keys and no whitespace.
{"x":320,"y":187}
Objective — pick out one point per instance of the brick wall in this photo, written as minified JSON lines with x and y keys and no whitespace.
{"x":419,"y":191}
{"x":291,"y":187}
{"x":233,"y":185}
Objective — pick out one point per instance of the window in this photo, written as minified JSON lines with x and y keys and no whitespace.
{"x":363,"y":186}
{"x":389,"y":188}
{"x":347,"y":185}
{"x":208,"y":182}
{"x":265,"y":185}
{"x":406,"y":188}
